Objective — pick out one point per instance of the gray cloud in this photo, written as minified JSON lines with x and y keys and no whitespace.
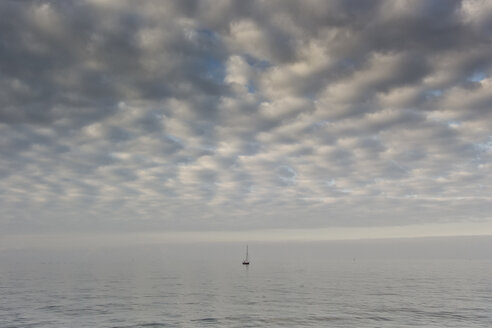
{"x":213,"y":115}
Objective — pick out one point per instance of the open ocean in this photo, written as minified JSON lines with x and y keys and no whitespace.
{"x":287,"y":285}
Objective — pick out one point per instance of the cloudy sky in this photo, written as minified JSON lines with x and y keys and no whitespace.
{"x":138,"y":116}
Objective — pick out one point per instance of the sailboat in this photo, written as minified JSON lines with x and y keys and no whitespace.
{"x":246,"y":260}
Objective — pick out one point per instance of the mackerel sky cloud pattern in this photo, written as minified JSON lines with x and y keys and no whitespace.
{"x":235,"y":115}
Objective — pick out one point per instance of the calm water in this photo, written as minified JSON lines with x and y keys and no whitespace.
{"x":206,"y":286}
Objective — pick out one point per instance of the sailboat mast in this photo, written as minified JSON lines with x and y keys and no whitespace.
{"x":246,"y":260}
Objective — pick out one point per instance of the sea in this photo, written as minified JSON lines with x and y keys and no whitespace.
{"x":411,"y":283}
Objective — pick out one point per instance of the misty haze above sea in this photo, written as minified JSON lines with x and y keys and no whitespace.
{"x":442,"y":282}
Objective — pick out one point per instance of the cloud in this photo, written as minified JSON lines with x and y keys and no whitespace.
{"x":231,"y":115}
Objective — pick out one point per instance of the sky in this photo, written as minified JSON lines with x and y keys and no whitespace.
{"x":332,"y":118}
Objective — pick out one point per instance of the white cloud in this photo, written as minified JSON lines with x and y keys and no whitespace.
{"x":230,"y":115}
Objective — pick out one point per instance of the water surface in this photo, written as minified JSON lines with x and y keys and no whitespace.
{"x":294,"y":285}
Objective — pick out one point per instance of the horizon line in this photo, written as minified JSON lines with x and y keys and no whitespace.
{"x":115,"y":239}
